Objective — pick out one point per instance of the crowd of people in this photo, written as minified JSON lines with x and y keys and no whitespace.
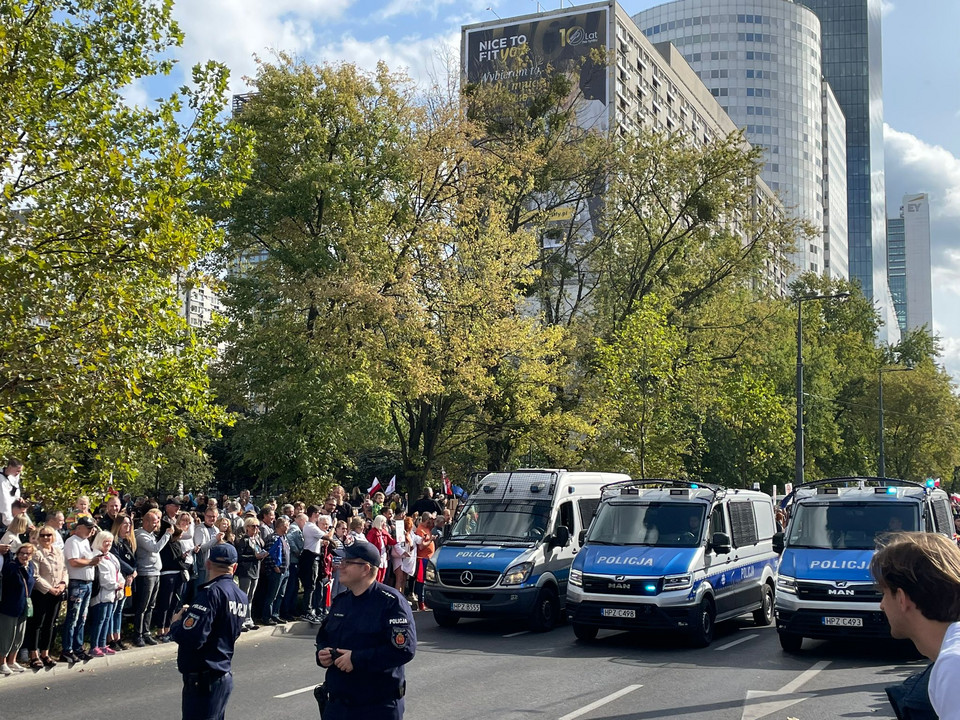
{"x":103,"y":576}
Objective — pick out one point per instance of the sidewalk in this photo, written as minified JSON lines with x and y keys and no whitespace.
{"x":152,"y":654}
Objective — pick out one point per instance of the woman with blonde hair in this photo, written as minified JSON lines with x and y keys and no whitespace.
{"x":226,"y":527}
{"x":103,"y":602}
{"x":124,"y":548}
{"x":50,"y":572}
{"x":404,"y":556}
{"x":379,"y":536}
{"x":17,"y":527}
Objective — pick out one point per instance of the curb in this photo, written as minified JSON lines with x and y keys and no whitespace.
{"x":152,"y":655}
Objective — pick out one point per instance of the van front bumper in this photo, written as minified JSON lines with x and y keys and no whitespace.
{"x":501,"y":602}
{"x":646,"y":616}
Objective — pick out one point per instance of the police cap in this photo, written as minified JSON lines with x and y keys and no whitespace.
{"x":223,"y":554}
{"x":362,"y":550}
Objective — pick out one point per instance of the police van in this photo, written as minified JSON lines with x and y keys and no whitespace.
{"x":674,"y":555}
{"x":510,"y":549}
{"x":825,"y":589}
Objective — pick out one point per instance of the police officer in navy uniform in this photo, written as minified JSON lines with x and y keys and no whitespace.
{"x":206,"y":632}
{"x":364,"y":642}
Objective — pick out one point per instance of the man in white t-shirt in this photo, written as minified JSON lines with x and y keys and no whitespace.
{"x":919,"y":574}
{"x":9,"y":489}
{"x":81,"y":563}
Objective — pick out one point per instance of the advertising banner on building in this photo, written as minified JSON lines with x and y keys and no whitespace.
{"x":516,"y":55}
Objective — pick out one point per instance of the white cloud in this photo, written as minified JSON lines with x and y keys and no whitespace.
{"x":929,"y":168}
{"x":233,"y":31}
{"x":886,"y":7}
{"x":424,"y":59}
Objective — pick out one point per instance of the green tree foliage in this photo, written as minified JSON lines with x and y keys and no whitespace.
{"x":99,"y":212}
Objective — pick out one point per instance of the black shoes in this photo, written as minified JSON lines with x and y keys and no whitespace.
{"x":149,"y":640}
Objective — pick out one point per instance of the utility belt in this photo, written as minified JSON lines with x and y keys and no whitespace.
{"x":204,"y":677}
{"x":368,"y":700}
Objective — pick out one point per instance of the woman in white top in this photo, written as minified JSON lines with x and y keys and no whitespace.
{"x":405,"y":555}
{"x":15,"y":529}
{"x":103,"y":602}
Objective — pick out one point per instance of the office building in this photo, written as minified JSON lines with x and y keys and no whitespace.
{"x":852,"y":64}
{"x":908,"y":263}
{"x":761,"y":60}
{"x":834,"y":186}
{"x":645,"y":86}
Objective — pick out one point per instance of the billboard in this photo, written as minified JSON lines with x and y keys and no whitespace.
{"x":516,"y":54}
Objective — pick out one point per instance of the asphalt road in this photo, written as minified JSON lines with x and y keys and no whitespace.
{"x":488,"y":670}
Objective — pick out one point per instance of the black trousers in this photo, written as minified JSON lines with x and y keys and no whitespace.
{"x":46,"y":607}
{"x":169,"y":592}
{"x":145,"y":601}
{"x":205,"y":696}
{"x":309,"y":565}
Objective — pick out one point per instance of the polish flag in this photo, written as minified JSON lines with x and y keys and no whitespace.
{"x":391,"y":486}
{"x":373,"y":488}
{"x":447,"y":488}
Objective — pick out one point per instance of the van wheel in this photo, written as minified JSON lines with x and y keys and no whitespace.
{"x":702,"y":634}
{"x":764,"y":614}
{"x":586,"y":633}
{"x":790,"y":642}
{"x":445,"y":619}
{"x":545,"y":611}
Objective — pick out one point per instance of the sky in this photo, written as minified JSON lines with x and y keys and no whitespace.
{"x":921,"y":79}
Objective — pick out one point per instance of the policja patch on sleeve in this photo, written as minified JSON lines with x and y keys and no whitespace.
{"x":190,"y":621}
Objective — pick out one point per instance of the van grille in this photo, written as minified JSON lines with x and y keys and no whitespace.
{"x":479,"y":578}
{"x":609,"y":585}
{"x":830,"y":592}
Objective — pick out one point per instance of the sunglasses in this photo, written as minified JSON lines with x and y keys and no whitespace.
{"x":46,"y":535}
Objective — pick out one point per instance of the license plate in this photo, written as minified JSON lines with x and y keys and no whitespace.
{"x":843,"y":621}
{"x":618,"y":612}
{"x":465,"y":607}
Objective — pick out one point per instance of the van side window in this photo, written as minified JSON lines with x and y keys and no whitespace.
{"x":743,"y":524}
{"x":763,"y":511}
{"x":942,"y":517}
{"x":565,"y":517}
{"x":588,"y":508}
{"x":717,"y":522}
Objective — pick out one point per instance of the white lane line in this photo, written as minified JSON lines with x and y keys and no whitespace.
{"x":803,"y":678}
{"x":522,"y":632}
{"x":602,"y":701}
{"x":735,"y":642}
{"x":309,"y":688}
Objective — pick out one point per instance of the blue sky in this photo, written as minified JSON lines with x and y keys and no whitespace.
{"x":921,"y":60}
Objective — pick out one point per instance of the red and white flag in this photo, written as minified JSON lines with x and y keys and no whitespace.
{"x":391,"y":486}
{"x":447,"y":487}
{"x":373,"y":488}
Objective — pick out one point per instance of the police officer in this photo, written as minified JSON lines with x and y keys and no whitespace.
{"x":206,"y":633}
{"x":365,"y":641}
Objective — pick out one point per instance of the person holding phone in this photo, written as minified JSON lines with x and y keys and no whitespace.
{"x":82,"y":561}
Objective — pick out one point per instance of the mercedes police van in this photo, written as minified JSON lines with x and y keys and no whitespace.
{"x":510,"y":549}
{"x":824,"y":587}
{"x":674,"y":555}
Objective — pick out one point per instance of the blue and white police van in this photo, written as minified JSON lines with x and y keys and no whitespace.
{"x":674,"y":555}
{"x":510,"y":549}
{"x":824,"y":587}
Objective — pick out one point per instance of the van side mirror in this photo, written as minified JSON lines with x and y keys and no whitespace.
{"x":778,"y":543}
{"x":561,"y":538}
{"x":720,"y":543}
{"x":583,"y":537}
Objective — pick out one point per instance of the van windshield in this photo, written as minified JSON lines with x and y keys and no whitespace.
{"x":511,"y":521}
{"x":659,"y":524}
{"x":838,"y":525}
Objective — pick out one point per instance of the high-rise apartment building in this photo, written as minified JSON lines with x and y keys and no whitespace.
{"x":908,"y":263}
{"x":761,"y":60}
{"x":835,"y":249}
{"x":645,"y":85}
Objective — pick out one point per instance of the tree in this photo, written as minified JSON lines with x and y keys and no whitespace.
{"x":100,"y":210}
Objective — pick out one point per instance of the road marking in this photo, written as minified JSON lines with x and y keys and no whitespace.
{"x":735,"y":642}
{"x":309,"y":688}
{"x":522,"y":632}
{"x":602,"y":701}
{"x":754,"y":707}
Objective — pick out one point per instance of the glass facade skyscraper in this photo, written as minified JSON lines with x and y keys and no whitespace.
{"x":852,"y":64}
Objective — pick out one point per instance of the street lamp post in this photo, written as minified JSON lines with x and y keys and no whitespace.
{"x":882,"y":462}
{"x":799,"y":300}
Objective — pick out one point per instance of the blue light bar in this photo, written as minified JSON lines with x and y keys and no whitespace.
{"x":694,"y":486}
{"x":650,"y":588}
{"x":891,"y":491}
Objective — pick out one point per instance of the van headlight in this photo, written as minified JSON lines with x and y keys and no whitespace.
{"x":576,"y":578}
{"x":430,"y":575}
{"x":787,"y":584}
{"x":518,"y":574}
{"x":677,"y":582}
